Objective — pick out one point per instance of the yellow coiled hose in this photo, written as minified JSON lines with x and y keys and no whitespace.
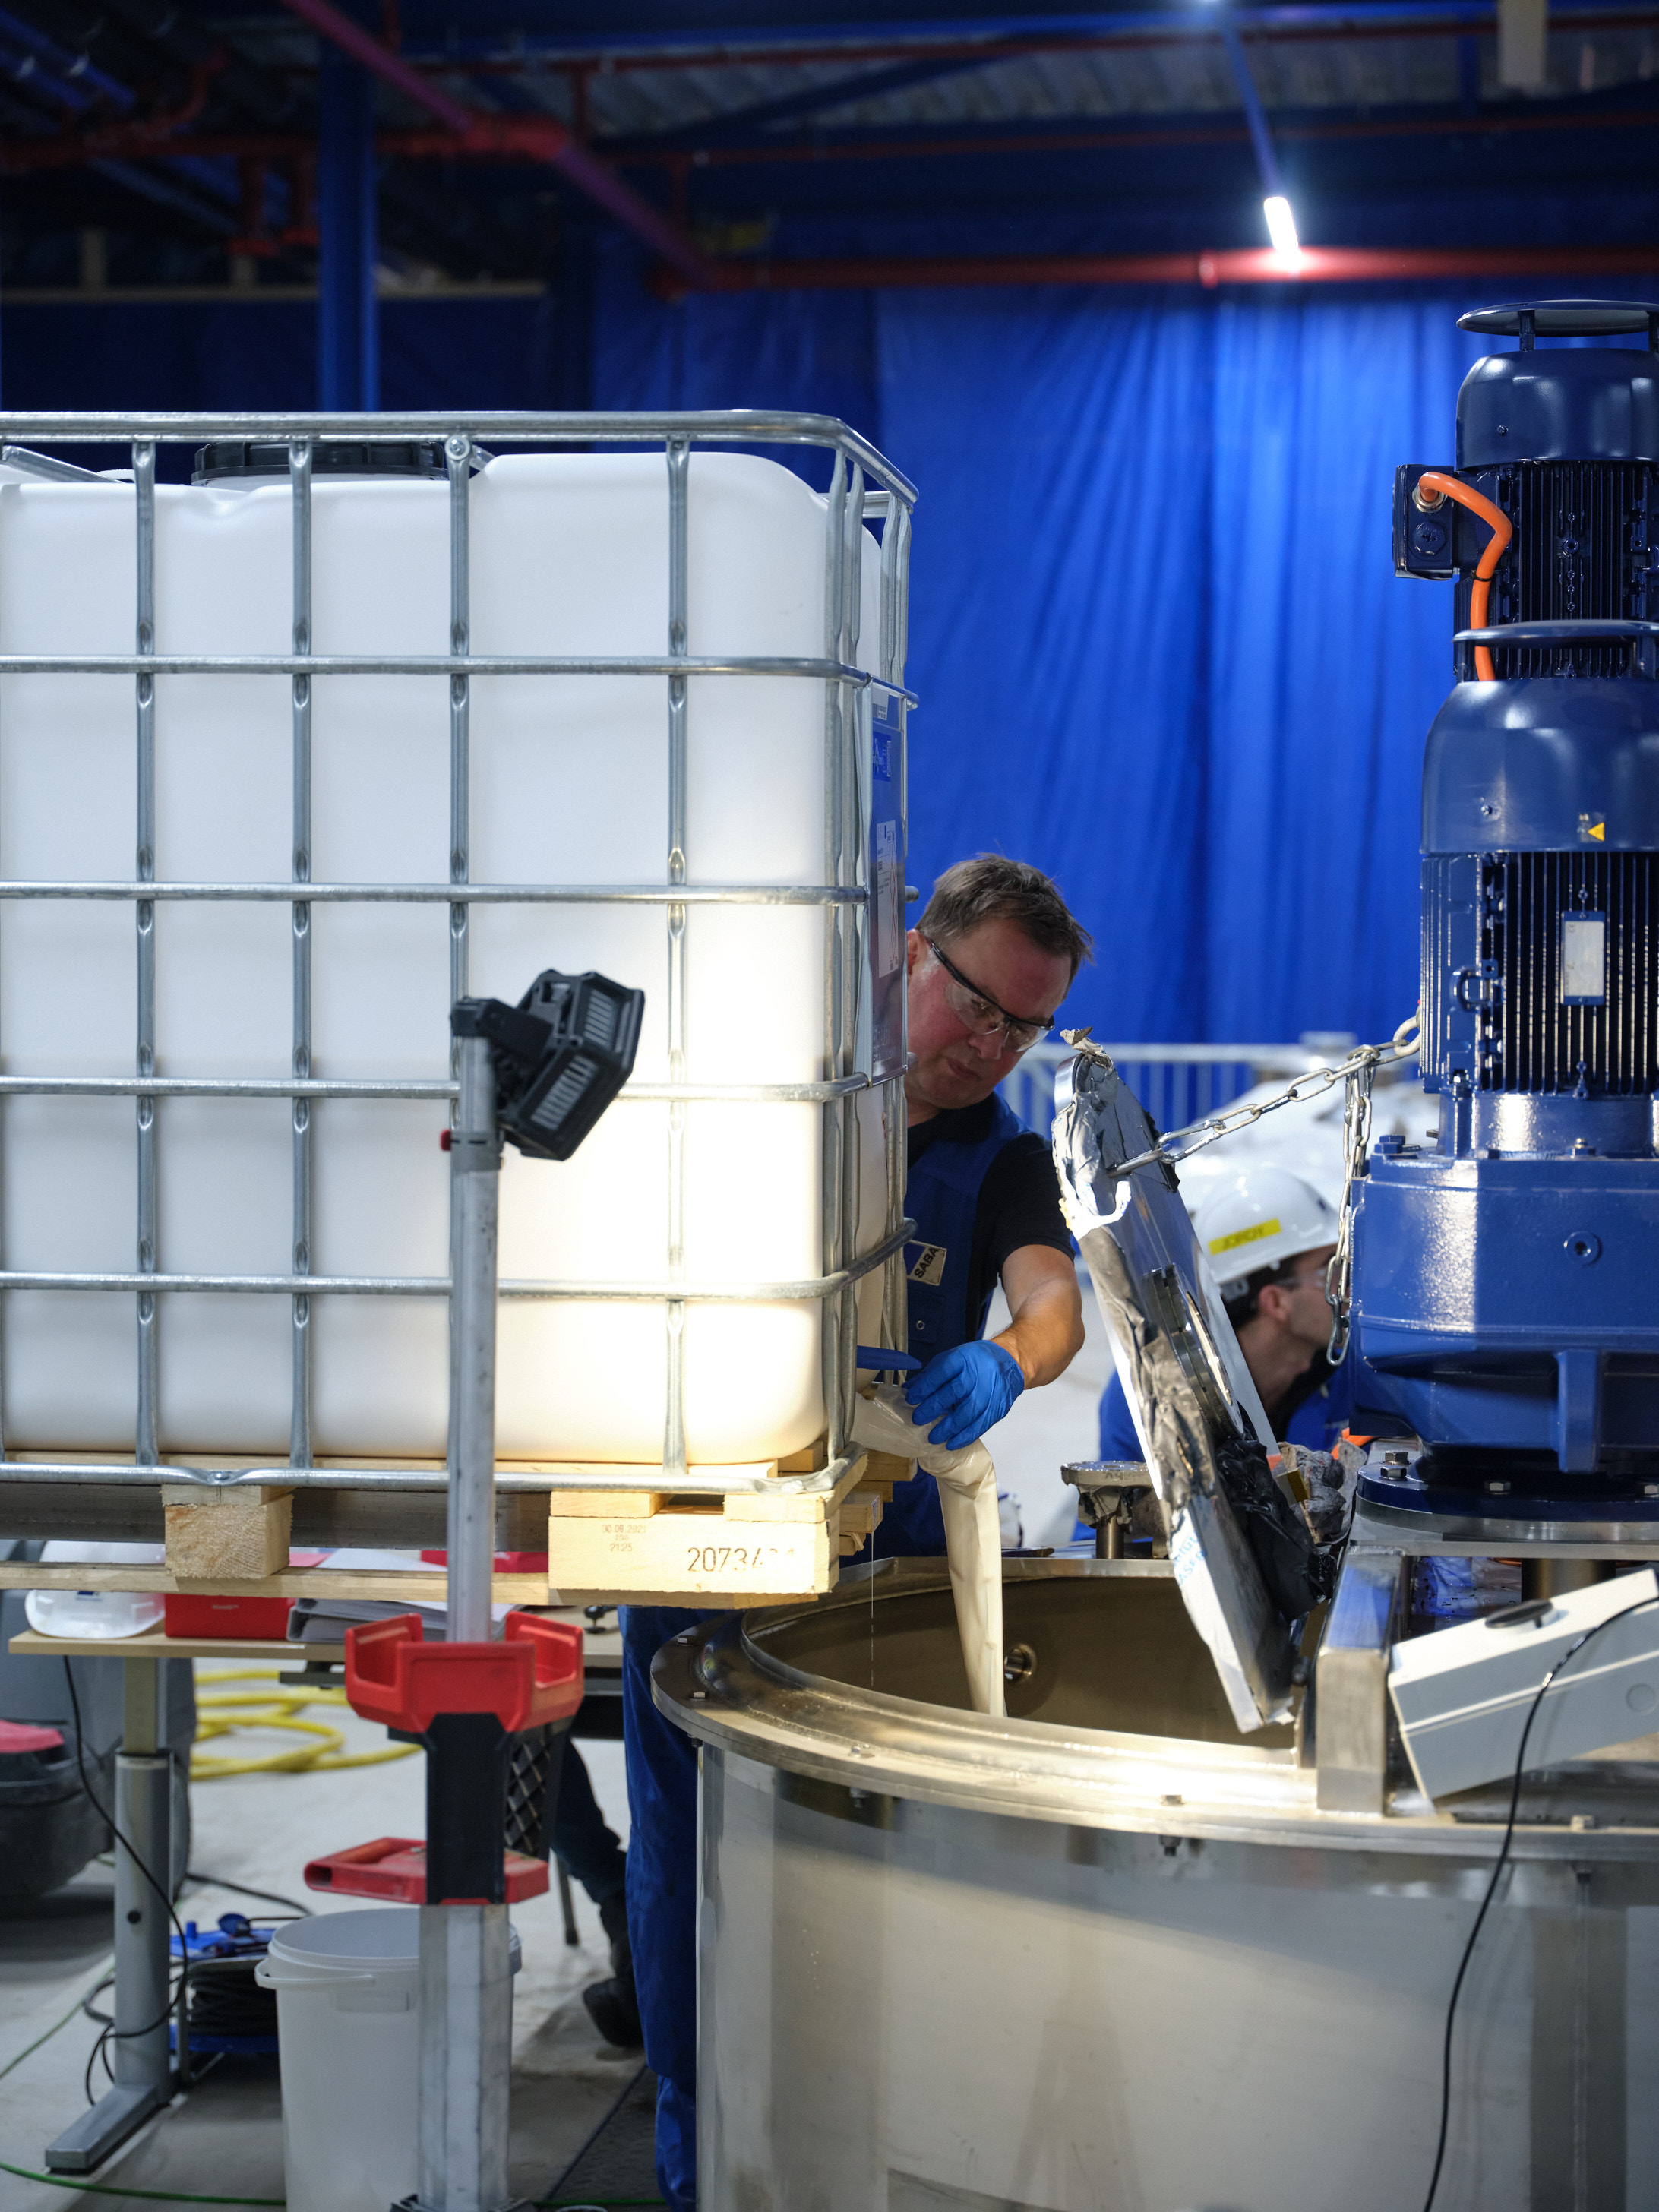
{"x":225,"y":1713}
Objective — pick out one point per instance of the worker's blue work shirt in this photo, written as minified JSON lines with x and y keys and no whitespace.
{"x":981,"y":1185}
{"x":1319,"y":1404}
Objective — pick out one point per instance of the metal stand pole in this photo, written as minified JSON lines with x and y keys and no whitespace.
{"x":465,"y":1986}
{"x":139,"y":2057}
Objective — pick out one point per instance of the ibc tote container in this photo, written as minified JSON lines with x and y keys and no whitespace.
{"x":303,"y":826}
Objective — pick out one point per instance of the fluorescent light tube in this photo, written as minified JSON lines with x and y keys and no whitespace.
{"x":1281,"y":228}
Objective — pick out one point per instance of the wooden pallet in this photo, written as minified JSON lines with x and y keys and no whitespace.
{"x":746,"y":1545}
{"x":614,"y":1533}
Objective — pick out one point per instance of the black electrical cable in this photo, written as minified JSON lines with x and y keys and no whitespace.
{"x":178,"y":1995}
{"x":92,"y":2060}
{"x":1569,"y":1654}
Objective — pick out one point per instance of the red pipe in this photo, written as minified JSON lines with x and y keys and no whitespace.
{"x":1327,"y":264}
{"x":548,"y":141}
{"x":363,"y":47}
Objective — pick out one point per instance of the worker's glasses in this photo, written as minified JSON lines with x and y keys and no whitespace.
{"x":980,"y":1014}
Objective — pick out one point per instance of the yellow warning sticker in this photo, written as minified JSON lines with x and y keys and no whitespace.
{"x":1593,"y":829}
{"x":1250,"y":1235}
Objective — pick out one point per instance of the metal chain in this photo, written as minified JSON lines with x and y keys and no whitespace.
{"x":1339,"y":1272}
{"x":1358,"y":1072}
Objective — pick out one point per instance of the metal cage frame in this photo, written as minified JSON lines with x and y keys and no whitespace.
{"x":864,"y":487}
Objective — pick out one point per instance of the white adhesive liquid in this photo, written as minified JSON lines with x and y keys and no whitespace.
{"x":568,"y":786}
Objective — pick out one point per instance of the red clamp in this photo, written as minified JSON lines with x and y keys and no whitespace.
{"x":395,"y":1867}
{"x":533,"y":1675}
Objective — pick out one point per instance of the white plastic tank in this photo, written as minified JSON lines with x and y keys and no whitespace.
{"x":568,"y":786}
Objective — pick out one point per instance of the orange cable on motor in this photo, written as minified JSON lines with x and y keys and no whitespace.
{"x":1432,"y":480}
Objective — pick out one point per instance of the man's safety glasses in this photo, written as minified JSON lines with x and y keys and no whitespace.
{"x":980,"y":1014}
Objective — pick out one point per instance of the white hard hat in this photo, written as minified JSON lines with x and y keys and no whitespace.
{"x":1259,"y":1218}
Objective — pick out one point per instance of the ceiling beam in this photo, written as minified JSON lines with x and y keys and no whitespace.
{"x":1033,"y":34}
{"x":552,"y":144}
{"x":509,"y":138}
{"x":1442,"y":121}
{"x":868,"y":84}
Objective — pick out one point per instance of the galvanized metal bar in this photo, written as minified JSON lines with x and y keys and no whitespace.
{"x":902,"y":617}
{"x":895,"y":1289}
{"x":259,"y":1086}
{"x":449,"y":894}
{"x":475,"y":1162}
{"x":895,"y":546}
{"x":678,"y":458}
{"x":458,"y":458}
{"x":437,"y":1286}
{"x":543,"y":1480}
{"x":834,"y":840}
{"x":851,"y":924}
{"x":144,"y":1791}
{"x":411,"y":664}
{"x":734,"y":426}
{"x":299,"y":1446}
{"x":143,"y":480}
{"x":465,"y":2056}
{"x":887,"y":645}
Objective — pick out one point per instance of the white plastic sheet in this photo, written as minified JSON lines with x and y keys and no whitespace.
{"x":973,"y":1535}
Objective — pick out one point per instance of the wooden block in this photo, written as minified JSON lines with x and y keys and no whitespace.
{"x":604,"y":1504}
{"x":242,"y":1532}
{"x":809,"y":1460}
{"x":689,"y":1555}
{"x":860,"y":1514}
{"x":883,"y":1469}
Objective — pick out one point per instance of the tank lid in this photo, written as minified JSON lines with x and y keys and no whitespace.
{"x":1566,"y":319}
{"x":232,"y":458}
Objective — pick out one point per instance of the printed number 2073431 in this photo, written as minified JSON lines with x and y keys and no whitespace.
{"x":721,"y":1558}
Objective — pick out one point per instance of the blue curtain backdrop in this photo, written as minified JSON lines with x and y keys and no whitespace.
{"x":1155,"y":628}
{"x":1156,"y":634}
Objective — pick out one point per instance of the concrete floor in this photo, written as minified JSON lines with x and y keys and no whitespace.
{"x":225,"y":2139}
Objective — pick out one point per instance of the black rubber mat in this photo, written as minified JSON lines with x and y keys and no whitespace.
{"x":618,"y":2164}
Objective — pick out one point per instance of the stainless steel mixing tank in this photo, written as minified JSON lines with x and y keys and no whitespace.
{"x":1109,"y":1953}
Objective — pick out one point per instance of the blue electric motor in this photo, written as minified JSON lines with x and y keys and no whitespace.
{"x":1506,"y":1284}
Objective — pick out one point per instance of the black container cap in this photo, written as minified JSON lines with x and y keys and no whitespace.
{"x":246,"y":458}
{"x":1566,"y":319}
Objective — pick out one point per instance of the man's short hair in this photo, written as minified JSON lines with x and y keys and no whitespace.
{"x":989,"y":888}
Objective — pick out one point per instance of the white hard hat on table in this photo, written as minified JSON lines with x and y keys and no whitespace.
{"x":1263,"y":1217}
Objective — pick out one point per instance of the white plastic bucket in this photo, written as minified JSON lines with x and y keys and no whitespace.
{"x":348,"y":2026}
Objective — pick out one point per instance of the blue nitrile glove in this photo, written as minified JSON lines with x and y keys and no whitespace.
{"x":966,"y":1391}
